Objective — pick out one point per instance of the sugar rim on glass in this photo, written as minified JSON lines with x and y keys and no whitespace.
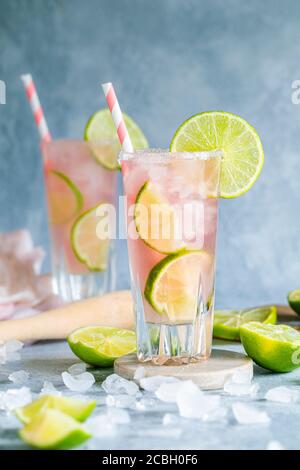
{"x":157,"y":155}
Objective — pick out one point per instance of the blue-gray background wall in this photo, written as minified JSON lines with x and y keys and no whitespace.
{"x":168,"y":59}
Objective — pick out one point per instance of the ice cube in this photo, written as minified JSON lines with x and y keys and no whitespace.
{"x":49,"y":389}
{"x":275,"y":445}
{"x":167,"y":392}
{"x":163,"y":432}
{"x":151,"y":384}
{"x":9,"y":351}
{"x":79,"y":383}
{"x":118,"y":416}
{"x":245,"y":414}
{"x":139,"y":373}
{"x":77,"y":368}
{"x":218,"y":414}
{"x":15,"y":398}
{"x":114,"y":384}
{"x":100,"y":426}
{"x":19,"y":377}
{"x":121,"y":401}
{"x":241,"y":389}
{"x":146,"y":404}
{"x":283,"y":395}
{"x":193,"y":403}
{"x":13,"y":345}
{"x":242,"y":376}
{"x":170,"y":419}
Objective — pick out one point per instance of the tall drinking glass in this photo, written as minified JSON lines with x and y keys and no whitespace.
{"x":77,"y":186}
{"x":171,"y":210}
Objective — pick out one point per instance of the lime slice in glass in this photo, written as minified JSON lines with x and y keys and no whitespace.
{"x":87,"y":246}
{"x":54,"y":430}
{"x":64,"y":198}
{"x":294,"y":300}
{"x":155,"y":220}
{"x":243,"y":155}
{"x":100,"y":128}
{"x":227,"y":323}
{"x":78,"y":409}
{"x":172,"y":285}
{"x":274,"y":347}
{"x":101,"y":346}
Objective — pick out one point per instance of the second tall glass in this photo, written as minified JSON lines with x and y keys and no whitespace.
{"x":172,"y":205}
{"x":77,"y":185}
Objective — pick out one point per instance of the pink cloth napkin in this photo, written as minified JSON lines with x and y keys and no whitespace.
{"x":23,"y":290}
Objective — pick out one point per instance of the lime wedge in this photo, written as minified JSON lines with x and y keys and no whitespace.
{"x":64,"y":198}
{"x":155,"y":220}
{"x":243,"y":155}
{"x":227,"y":323}
{"x":87,"y":246}
{"x":100,"y":128}
{"x":274,"y":347}
{"x":54,"y":430}
{"x":100,"y":346}
{"x":294,"y":300}
{"x":172,"y":285}
{"x":78,"y":409}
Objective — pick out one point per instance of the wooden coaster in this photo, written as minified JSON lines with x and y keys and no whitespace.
{"x":209,"y":375}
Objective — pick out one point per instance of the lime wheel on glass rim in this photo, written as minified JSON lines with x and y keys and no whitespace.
{"x":101,"y":128}
{"x":242,"y":151}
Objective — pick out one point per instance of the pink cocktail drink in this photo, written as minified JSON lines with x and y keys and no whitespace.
{"x":77,"y":185}
{"x":172,"y":205}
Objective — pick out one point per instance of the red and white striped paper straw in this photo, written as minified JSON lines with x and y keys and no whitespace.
{"x":36,"y":107}
{"x":117,"y":116}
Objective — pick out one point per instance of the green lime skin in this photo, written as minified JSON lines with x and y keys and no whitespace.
{"x":294,"y":300}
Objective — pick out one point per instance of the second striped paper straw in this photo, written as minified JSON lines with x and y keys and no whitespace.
{"x":36,"y":107}
{"x":117,"y":116}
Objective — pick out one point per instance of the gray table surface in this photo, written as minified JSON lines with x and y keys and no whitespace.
{"x":46,"y":361}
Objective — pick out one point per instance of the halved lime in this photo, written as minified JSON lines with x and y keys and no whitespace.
{"x":227,"y":323}
{"x":243,"y":155}
{"x":64,"y":198}
{"x":275,"y":347}
{"x":86,"y":244}
{"x":100,"y":128}
{"x":155,"y":220}
{"x":294,"y":300}
{"x":100,"y":345}
{"x":172,"y":287}
{"x":54,"y":430}
{"x":78,"y":409}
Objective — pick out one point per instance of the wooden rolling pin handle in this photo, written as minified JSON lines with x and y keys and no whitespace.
{"x":112,"y":309}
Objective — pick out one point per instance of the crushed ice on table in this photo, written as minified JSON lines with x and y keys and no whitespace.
{"x":49,"y":389}
{"x":118,"y":416}
{"x":241,"y":389}
{"x":77,"y":368}
{"x":151,"y":384}
{"x":245,"y":414}
{"x":145,"y":404}
{"x":275,"y":445}
{"x":283,"y":395}
{"x":139,"y":373}
{"x":216,"y":415}
{"x":239,"y":384}
{"x":121,"y":401}
{"x":19,"y":377}
{"x":79,"y":383}
{"x":193,"y":403}
{"x":9,"y":351}
{"x":167,"y":392}
{"x":9,"y":421}
{"x":170,"y":419}
{"x":114,"y":384}
{"x":163,"y":432}
{"x":15,"y":398}
{"x":101,"y":426}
